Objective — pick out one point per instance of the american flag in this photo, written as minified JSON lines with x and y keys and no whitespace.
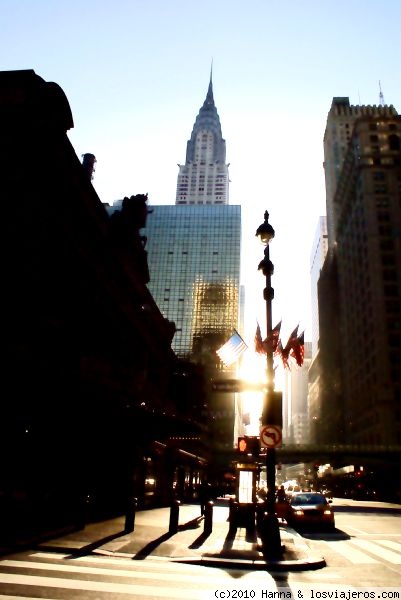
{"x":259,"y":347}
{"x":298,"y":350}
{"x":232,"y":350}
{"x":270,"y":343}
{"x":275,"y":336}
{"x":285,"y":352}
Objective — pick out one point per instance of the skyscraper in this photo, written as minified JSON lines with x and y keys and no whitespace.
{"x":194,"y":250}
{"x":204,"y":177}
{"x":363,"y":271}
{"x":340,"y":122}
{"x":194,"y":265}
{"x":318,"y":255}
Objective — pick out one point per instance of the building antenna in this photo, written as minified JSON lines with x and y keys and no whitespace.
{"x":381,"y":97}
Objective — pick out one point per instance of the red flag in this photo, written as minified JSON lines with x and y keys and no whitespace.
{"x":259,"y":348}
{"x":284,"y":357}
{"x":285,"y":352}
{"x":298,"y":350}
{"x":270,"y":343}
{"x":276,"y":336}
{"x":291,"y":340}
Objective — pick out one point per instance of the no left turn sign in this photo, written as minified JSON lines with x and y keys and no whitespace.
{"x":270,"y":436}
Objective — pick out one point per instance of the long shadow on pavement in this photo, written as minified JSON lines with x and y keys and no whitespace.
{"x":94,"y":545}
{"x":368,"y":509}
{"x":336,"y":534}
{"x":151,"y":546}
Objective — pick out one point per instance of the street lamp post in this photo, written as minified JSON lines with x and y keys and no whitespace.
{"x":269,"y":526}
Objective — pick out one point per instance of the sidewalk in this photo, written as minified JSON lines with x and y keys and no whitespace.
{"x":151,"y":538}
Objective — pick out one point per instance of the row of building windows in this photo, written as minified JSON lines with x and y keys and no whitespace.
{"x":217,"y":201}
{"x":192,"y":166}
{"x":375,"y":126}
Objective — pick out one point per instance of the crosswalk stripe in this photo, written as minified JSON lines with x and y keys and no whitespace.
{"x":81,"y":569}
{"x":151,"y":563}
{"x":354,"y":556}
{"x":94,"y":576}
{"x":373,"y":548}
{"x":390,"y":544}
{"x":148,"y":591}
{"x":3,"y":597}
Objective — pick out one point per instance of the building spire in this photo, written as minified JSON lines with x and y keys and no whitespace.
{"x":205,"y":161}
{"x":381,"y":97}
{"x":209,"y":96}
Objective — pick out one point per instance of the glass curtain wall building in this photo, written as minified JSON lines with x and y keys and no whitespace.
{"x":194,"y":264}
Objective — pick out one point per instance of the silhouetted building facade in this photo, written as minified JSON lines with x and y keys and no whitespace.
{"x":368,"y":209}
{"x":360,"y":285}
{"x":339,"y":127}
{"x":91,"y":375}
{"x":327,"y":410}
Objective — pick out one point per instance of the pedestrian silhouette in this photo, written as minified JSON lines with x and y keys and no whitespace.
{"x":204,"y":495}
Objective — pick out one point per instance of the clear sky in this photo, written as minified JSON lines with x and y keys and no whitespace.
{"x":136,"y":73}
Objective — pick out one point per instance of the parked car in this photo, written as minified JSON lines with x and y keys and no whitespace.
{"x":310,"y":509}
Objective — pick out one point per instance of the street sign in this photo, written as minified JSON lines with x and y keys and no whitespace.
{"x":271,"y":436}
{"x":226,"y":385}
{"x":235,"y":385}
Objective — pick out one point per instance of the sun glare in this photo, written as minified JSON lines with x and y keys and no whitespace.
{"x":253,"y":368}
{"x":253,"y":372}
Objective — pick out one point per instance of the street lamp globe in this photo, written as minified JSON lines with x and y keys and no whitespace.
{"x":265,"y":231}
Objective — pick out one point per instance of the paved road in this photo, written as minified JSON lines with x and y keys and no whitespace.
{"x":365,"y":548}
{"x":59,"y":576}
{"x":56,"y":576}
{"x":363,"y":552}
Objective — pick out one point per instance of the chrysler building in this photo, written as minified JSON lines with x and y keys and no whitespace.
{"x":204,"y":177}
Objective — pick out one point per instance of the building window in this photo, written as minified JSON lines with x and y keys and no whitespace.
{"x":383,"y":217}
{"x":390,"y":290}
{"x":394,"y":142}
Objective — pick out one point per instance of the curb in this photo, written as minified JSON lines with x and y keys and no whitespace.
{"x":303,"y":557}
{"x":311,"y":563}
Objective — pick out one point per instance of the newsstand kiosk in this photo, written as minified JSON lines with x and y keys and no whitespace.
{"x":243,"y":508}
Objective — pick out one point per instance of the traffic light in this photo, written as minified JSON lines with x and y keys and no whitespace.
{"x":273,"y":412}
{"x":249,"y":444}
